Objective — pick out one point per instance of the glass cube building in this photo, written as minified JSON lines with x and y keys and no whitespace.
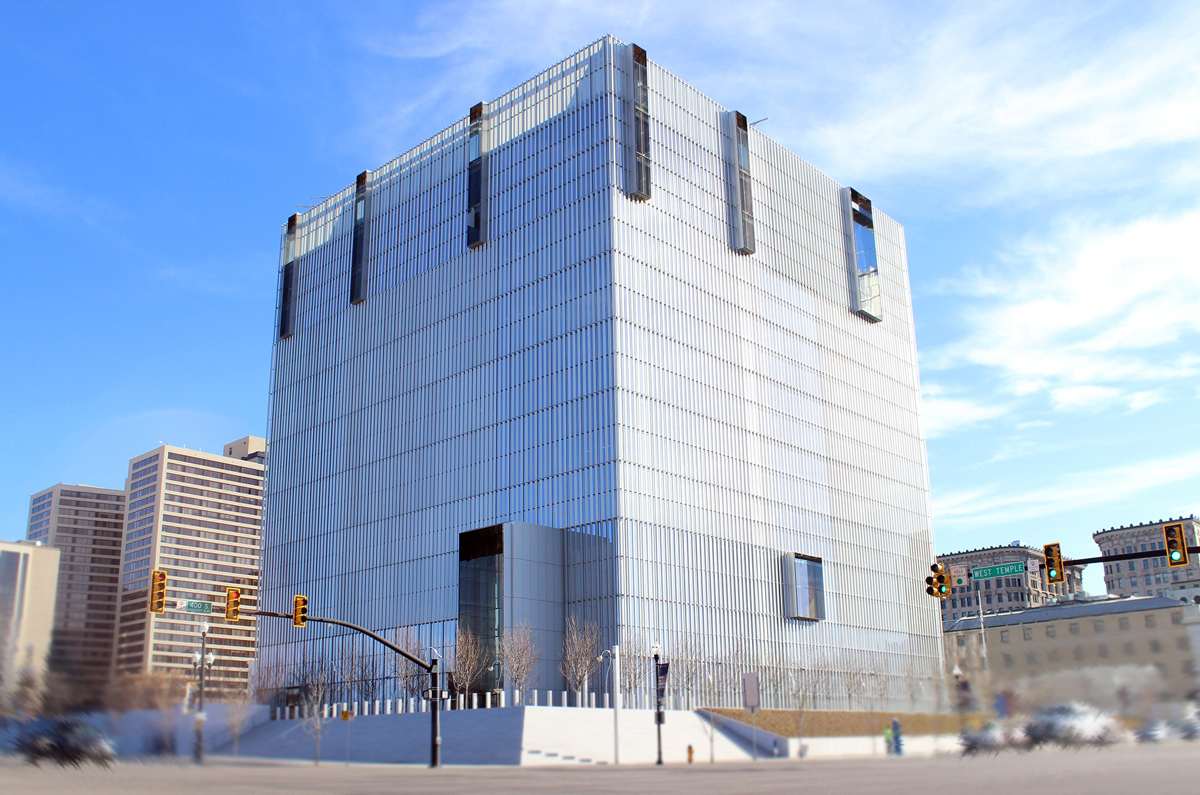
{"x":602,"y":349}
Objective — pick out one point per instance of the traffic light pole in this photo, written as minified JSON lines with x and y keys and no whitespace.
{"x":435,"y":750}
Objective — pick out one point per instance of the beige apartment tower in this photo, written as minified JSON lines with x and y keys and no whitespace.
{"x":198,"y":516}
{"x":86,"y":524}
{"x":28,"y":581}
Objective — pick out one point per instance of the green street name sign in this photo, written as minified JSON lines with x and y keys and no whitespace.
{"x":988,"y":572}
{"x":194,"y":607}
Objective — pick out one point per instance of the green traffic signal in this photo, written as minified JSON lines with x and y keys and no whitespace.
{"x":1175,"y":554}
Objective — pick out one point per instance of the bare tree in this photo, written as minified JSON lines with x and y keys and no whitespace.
{"x":237,"y":707}
{"x":634,"y":662}
{"x":412,"y":677}
{"x":685,"y":668}
{"x":854,"y":677}
{"x":581,"y":644}
{"x":914,"y":682}
{"x":519,"y":655}
{"x":470,"y":658}
{"x":314,"y":679}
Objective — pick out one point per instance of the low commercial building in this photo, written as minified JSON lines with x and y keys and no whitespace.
{"x":1146,"y":576}
{"x":1024,"y":587}
{"x":28,"y":583}
{"x":1081,"y":635}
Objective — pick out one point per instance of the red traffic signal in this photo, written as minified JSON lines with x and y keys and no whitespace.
{"x":233,"y":604}
{"x":299,"y":610}
{"x":158,"y":591}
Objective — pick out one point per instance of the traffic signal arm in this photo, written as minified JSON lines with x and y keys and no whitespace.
{"x":416,"y":660}
{"x":1157,"y":553}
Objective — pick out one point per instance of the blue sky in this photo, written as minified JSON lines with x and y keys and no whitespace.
{"x":1044,"y":159}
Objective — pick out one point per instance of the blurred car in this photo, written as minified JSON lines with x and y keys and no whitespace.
{"x":993,"y":738}
{"x":1073,"y":725}
{"x":66,"y":742}
{"x":1155,"y":731}
{"x":1187,"y":729}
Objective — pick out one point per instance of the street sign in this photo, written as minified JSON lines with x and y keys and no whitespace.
{"x":1003,"y":570}
{"x":750,"y":691}
{"x":193,"y":607}
{"x":958,"y":576}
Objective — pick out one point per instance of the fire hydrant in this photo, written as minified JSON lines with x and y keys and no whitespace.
{"x":691,"y":753}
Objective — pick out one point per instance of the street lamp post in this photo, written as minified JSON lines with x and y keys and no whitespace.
{"x":435,"y":706}
{"x":656,"y":652}
{"x":615,"y":655}
{"x":499,"y":680}
{"x":202,"y":661}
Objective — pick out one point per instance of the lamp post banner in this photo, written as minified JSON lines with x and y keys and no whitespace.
{"x":662,"y":681}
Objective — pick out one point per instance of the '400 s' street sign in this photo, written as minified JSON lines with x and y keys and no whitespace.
{"x":988,"y":572}
{"x":193,"y":607}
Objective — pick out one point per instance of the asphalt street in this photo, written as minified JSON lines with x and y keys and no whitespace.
{"x":1170,"y":767}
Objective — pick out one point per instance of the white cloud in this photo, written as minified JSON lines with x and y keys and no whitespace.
{"x":943,"y":413}
{"x":1037,"y":94}
{"x":1018,"y":94}
{"x":1067,"y":493}
{"x":1094,"y":318}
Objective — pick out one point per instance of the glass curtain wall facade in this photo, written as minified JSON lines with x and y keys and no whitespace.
{"x":611,"y":360}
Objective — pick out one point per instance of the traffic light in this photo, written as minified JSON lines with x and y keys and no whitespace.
{"x":936,"y":585}
{"x":158,"y":591}
{"x":233,"y":604}
{"x":299,"y":610}
{"x":1054,"y":563}
{"x":1176,"y":545}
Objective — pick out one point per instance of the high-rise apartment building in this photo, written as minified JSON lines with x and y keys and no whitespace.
{"x":602,"y":348}
{"x":1023,"y":586}
{"x":198,"y":516}
{"x":87,"y":524}
{"x":1146,"y":576}
{"x":28,"y":581}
